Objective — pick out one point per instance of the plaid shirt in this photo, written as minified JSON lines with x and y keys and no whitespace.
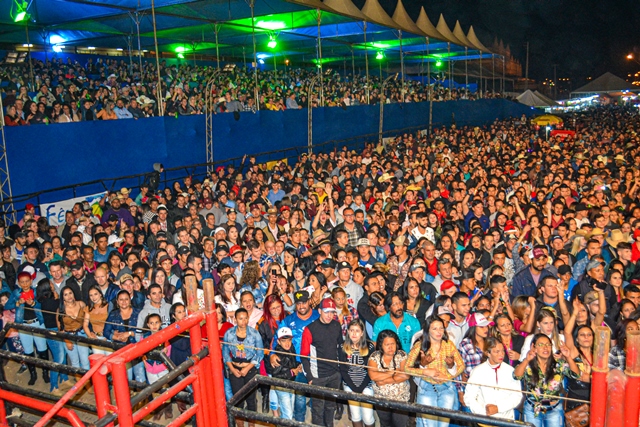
{"x":617,"y":358}
{"x":265,"y":259}
{"x":472,"y":357}
{"x":439,"y":362}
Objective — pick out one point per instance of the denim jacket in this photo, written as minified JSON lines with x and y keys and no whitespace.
{"x":116,"y":324}
{"x":248,"y":349}
{"x":11,"y":305}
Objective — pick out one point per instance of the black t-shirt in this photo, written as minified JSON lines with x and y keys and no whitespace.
{"x":49,"y":307}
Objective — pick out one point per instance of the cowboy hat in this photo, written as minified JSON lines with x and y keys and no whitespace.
{"x":385,"y":177}
{"x":616,"y":237}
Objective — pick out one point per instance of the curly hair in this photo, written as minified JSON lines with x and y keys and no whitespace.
{"x":251,"y":273}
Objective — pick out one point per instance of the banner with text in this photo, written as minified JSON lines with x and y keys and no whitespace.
{"x":55,"y":212}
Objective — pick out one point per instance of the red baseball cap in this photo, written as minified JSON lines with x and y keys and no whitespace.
{"x":447,"y":284}
{"x":327,"y":305}
{"x":234,"y":250}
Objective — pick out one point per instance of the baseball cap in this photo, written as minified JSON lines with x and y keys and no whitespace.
{"x":112,"y":217}
{"x":401,"y":241}
{"x":328,"y":305}
{"x":75,"y":265}
{"x":328,"y":263}
{"x":447,"y":284}
{"x":218,"y":229}
{"x":30,"y":271}
{"x":594,"y":263}
{"x":126,"y":277}
{"x":234,"y":250}
{"x":363,"y":242}
{"x":164,"y":258}
{"x":478,"y":319}
{"x":590,"y":297}
{"x":444,"y":310}
{"x":553,"y":238}
{"x":344,"y":265}
{"x":183,"y":250}
{"x":284,"y":332}
{"x":536,"y":253}
{"x":564,"y":269}
{"x":418,"y":263}
{"x":301,"y":296}
{"x":114,"y":239}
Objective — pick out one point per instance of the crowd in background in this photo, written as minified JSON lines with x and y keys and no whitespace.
{"x":65,"y":92}
{"x":434,"y":268}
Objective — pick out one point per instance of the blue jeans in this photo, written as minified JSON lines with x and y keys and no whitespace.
{"x":59,"y":356}
{"x":30,"y":340}
{"x":361,"y":411}
{"x":285,"y":402}
{"x":553,"y":418}
{"x":137,"y":372}
{"x":300,"y":404}
{"x":439,"y":395}
{"x":79,"y":354}
{"x":227,"y":389}
{"x":273,"y":401}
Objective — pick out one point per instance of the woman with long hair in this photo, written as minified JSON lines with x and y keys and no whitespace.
{"x":354,"y":355}
{"x":251,"y":280}
{"x":415,"y":304}
{"x":95,"y":317}
{"x":228,"y":296}
{"x":546,"y":323}
{"x":434,"y":361}
{"x":272,"y":315}
{"x":376,"y":305}
{"x":506,"y":334}
{"x":580,"y":345}
{"x":318,"y":282}
{"x":71,"y":320}
{"x":386,"y":370}
{"x":543,"y":376}
{"x":158,"y":276}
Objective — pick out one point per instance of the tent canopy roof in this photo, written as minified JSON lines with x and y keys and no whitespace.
{"x":192,"y":25}
{"x":606,"y":83}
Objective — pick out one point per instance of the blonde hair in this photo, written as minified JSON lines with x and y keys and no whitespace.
{"x":345,"y":307}
{"x":520,"y":305}
{"x":349,"y":346}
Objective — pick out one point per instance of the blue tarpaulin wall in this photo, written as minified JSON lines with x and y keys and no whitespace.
{"x":49,"y":156}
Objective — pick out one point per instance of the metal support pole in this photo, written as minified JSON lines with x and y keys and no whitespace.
{"x":366,"y":61}
{"x":215,"y":352}
{"x":215,"y":29}
{"x":493,"y":73}
{"x":428,"y":68}
{"x":480,"y":86}
{"x":402,"y":91}
{"x":121,"y":391}
{"x":503,"y":75}
{"x":310,"y":116}
{"x":129,"y":44}
{"x":33,"y":83}
{"x":255,"y":56}
{"x":155,"y":42}
{"x":100,"y":388}
{"x":599,"y":372}
{"x":632,"y":390}
{"x":466,"y":69}
{"x":382,"y":101}
{"x":321,"y":99}
{"x":5,"y":178}
{"x":449,"y":65}
{"x":353,"y":64}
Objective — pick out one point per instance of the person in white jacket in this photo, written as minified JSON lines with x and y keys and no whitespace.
{"x":481,"y":396}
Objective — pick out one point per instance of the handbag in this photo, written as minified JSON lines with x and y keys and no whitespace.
{"x":578,"y":417}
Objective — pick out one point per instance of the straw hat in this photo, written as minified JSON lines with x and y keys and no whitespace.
{"x":616,"y":237}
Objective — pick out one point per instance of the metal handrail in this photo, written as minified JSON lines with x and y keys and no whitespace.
{"x":244,"y":392}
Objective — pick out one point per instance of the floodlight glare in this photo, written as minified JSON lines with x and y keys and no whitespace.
{"x":380,"y":56}
{"x":181,"y":49}
{"x":272,"y":43}
{"x":56,"y":39}
{"x":261,"y":61}
{"x":57,"y":48}
{"x":271,"y":25}
{"x":21,"y":16}
{"x":181,"y":56}
{"x":438,"y":63}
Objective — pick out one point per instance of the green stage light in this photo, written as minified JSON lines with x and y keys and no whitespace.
{"x":181,"y":49}
{"x":21,"y":11}
{"x":271,"y":25}
{"x":438,"y":63}
{"x":272,"y":43}
{"x":380,"y":56}
{"x":181,"y":56}
{"x":21,"y":16}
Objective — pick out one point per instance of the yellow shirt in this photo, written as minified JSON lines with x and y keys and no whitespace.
{"x":439,"y":360}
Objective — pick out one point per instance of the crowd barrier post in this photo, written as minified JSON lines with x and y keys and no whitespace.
{"x":599,"y":373}
{"x":632,"y":391}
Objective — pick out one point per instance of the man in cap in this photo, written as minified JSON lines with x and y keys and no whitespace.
{"x":123,"y":214}
{"x":352,"y":289}
{"x":399,"y":262}
{"x":297,"y":322}
{"x":80,"y":281}
{"x":272,"y":231}
{"x":526,"y":281}
{"x":365,"y":259}
{"x":321,"y":339}
{"x":594,"y":279}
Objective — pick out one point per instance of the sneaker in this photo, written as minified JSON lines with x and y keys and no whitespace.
{"x":66,"y":385}
{"x":57,"y":392}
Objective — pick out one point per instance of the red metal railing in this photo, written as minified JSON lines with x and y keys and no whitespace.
{"x":205,"y":375}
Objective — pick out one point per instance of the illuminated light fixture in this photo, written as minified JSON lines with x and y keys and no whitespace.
{"x":91,"y":47}
{"x":271,"y":25}
{"x":262,"y":55}
{"x":27,"y":45}
{"x":181,"y":56}
{"x":119,"y":49}
{"x":438,"y":63}
{"x":286,"y":62}
{"x":21,"y":11}
{"x":144,"y":50}
{"x":261,"y":61}
{"x":380,"y":45}
{"x":57,"y":48}
{"x":56,"y":39}
{"x":272,"y":42}
{"x":379,"y":56}
{"x":181,"y":49}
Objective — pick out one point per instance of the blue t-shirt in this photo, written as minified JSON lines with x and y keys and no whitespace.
{"x":297,"y":326}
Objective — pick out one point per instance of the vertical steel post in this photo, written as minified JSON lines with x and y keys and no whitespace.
{"x":100,"y":388}
{"x":121,"y":391}
{"x":215,"y":352}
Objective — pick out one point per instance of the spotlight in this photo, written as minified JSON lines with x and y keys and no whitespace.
{"x":379,"y":56}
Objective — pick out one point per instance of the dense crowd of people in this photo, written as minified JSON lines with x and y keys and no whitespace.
{"x":109,"y":89}
{"x":430,"y":269}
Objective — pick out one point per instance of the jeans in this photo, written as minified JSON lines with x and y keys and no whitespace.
{"x":101,"y":350}
{"x":361,"y":411}
{"x":274,"y":403}
{"x":300,"y":403}
{"x":59,"y":356}
{"x":553,"y":418}
{"x":392,"y":418}
{"x":228,"y":393}
{"x":28,"y":339}
{"x":79,"y":354}
{"x":439,"y":395}
{"x":285,"y":402}
{"x":324,"y":408}
{"x":136,"y":371}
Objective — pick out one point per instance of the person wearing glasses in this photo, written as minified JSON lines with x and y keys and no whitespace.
{"x":543,"y":373}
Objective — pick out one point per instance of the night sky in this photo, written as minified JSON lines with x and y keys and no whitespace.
{"x":583,"y":37}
